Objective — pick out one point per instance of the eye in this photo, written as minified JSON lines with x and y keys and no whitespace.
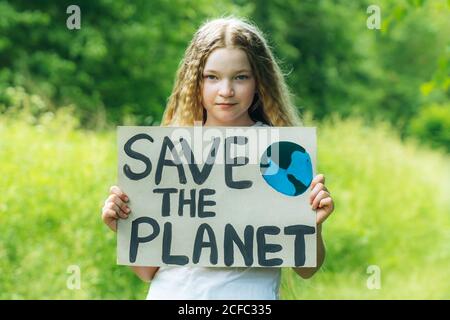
{"x":210,"y":77}
{"x":242,"y":77}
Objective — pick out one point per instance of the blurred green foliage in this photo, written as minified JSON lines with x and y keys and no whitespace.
{"x":120,"y":66}
{"x":432,"y":125}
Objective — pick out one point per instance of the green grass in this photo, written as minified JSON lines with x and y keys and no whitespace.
{"x":392,"y":210}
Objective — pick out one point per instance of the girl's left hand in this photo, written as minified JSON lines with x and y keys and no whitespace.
{"x":320,"y":199}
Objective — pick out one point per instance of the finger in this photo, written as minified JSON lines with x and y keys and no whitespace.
{"x":110,"y":219}
{"x":320,"y":178}
{"x":112,"y":225}
{"x":116,"y":190}
{"x":119,"y":212}
{"x":315,"y":191}
{"x":109,"y":214}
{"x":123,"y":207}
{"x":321,"y":195}
{"x":322,"y":215}
{"x":327,"y":202}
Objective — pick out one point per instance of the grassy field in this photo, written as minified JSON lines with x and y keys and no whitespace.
{"x":392,"y":211}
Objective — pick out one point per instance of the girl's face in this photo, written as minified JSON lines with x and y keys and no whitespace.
{"x":228,"y":88}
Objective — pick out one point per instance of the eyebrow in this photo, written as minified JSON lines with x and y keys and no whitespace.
{"x":238,"y":71}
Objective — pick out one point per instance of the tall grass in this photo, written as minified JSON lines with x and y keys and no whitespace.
{"x":53,"y":180}
{"x":392,"y":211}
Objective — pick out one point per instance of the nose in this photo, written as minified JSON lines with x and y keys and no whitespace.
{"x":226,"y":89}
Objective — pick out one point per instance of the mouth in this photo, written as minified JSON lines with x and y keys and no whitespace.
{"x":225,"y":105}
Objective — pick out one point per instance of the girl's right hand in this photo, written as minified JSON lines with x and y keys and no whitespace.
{"x":115,"y":207}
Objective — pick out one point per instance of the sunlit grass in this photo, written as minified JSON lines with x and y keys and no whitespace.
{"x":392,"y":211}
{"x":54,"y":180}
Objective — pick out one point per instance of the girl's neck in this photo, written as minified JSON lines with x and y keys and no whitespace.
{"x":246,"y":122}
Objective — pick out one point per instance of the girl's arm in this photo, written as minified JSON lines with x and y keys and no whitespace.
{"x":323,"y":204}
{"x":146,"y":274}
{"x":115,"y":207}
{"x":306,"y":273}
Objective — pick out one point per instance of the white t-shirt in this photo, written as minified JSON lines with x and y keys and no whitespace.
{"x":215,"y":283}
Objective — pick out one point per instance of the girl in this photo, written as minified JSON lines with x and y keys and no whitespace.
{"x":228,"y":77}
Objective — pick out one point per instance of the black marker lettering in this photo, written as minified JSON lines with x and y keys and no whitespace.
{"x":231,"y":237}
{"x":138,"y":156}
{"x":235,"y":162}
{"x":199,"y":244}
{"x":136,"y":240}
{"x":264,"y":247}
{"x":167,"y":144}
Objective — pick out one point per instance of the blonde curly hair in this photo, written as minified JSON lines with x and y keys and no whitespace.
{"x":272,"y":104}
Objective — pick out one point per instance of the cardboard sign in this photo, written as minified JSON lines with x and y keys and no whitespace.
{"x":217,"y":196}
